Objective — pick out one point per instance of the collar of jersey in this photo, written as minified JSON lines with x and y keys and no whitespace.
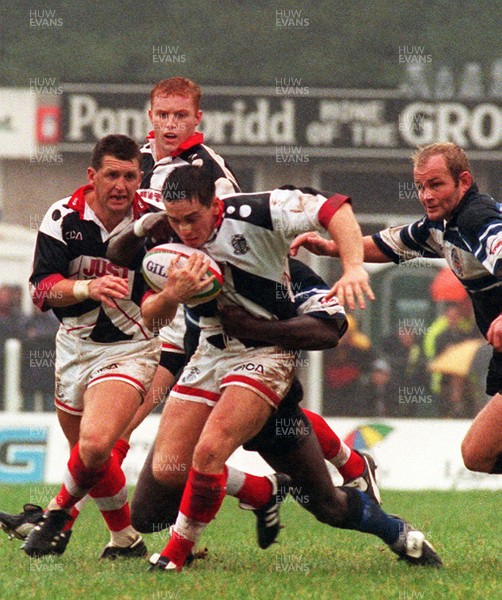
{"x":77,"y":202}
{"x":463,"y":201}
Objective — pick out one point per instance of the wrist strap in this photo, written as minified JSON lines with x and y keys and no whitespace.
{"x":81,"y":289}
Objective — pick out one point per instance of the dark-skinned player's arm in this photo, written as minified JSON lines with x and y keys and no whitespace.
{"x":298,"y":333}
{"x":125,"y":246}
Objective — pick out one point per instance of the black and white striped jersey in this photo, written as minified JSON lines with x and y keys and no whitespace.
{"x":251,"y":244}
{"x":471,"y":243}
{"x":191,"y":152}
{"x":309,"y":292}
{"x":71,"y":244}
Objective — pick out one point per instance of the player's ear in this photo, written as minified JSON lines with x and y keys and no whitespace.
{"x":465,"y":180}
{"x":215,"y":205}
{"x":150,"y":114}
{"x":198,"y":117}
{"x":91,"y":174}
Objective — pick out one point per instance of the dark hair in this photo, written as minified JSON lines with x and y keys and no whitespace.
{"x":177,"y":86}
{"x":116,"y":145}
{"x":189,"y":183}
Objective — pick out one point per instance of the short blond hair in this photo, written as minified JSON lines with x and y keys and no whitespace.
{"x":455,"y":157}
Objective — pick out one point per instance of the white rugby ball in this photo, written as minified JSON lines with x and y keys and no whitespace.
{"x":157,"y":261}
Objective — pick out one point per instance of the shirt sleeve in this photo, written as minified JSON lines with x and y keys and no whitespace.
{"x":295,"y":211}
{"x":51,"y":260}
{"x":417,"y":240}
{"x":309,"y":291}
{"x":480,"y":226}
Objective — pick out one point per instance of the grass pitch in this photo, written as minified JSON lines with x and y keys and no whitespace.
{"x":311,"y":561}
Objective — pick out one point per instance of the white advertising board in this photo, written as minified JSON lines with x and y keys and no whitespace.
{"x":412,"y":454}
{"x":17,"y":122}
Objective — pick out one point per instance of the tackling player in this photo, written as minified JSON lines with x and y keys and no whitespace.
{"x":230,"y":387}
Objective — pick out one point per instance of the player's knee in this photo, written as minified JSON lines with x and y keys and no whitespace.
{"x":473,"y":460}
{"x":94,"y":451}
{"x":208,"y":456}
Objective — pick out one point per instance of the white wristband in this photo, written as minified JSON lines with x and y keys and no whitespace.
{"x":139,"y":230}
{"x":81,"y":289}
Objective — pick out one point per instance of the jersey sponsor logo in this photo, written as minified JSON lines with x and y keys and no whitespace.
{"x":250,"y":367}
{"x":73,"y":235}
{"x":239,"y":244}
{"x":496,"y":247}
{"x":99,"y":267}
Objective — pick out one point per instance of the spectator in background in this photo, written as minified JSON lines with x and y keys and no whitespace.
{"x":38,"y":361}
{"x":11,"y":326}
{"x":408,"y":387}
{"x":379,"y":383}
{"x":455,"y":324}
{"x":455,"y":389}
{"x":347,"y":370}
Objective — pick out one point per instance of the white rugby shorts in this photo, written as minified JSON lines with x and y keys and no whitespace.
{"x":172,"y":335}
{"x":268,"y":371}
{"x":81,"y":364}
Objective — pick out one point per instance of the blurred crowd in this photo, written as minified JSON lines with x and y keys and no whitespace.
{"x":409,"y":373}
{"x":36,"y":334}
{"x":436,"y":371}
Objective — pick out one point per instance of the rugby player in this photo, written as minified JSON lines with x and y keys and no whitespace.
{"x":230,"y":387}
{"x":317,"y":324}
{"x":464,"y":227}
{"x":105,"y":356}
{"x":174,"y":114}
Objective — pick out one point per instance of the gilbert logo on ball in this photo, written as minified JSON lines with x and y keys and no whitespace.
{"x":156,"y":265}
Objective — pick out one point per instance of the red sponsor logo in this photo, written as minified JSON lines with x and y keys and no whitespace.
{"x":496,"y":247}
{"x":99,"y":267}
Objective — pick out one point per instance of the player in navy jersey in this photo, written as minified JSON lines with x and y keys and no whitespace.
{"x":231,"y":386}
{"x":105,"y":356}
{"x":464,"y":227}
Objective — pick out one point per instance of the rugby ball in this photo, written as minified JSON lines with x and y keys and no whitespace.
{"x":157,"y":261}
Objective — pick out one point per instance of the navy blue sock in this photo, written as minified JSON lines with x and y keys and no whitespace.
{"x":374,"y":520}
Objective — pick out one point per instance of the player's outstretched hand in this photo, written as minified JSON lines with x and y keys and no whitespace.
{"x":108,"y":288}
{"x":352,"y":288}
{"x":494,"y":334}
{"x":314,"y":243}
